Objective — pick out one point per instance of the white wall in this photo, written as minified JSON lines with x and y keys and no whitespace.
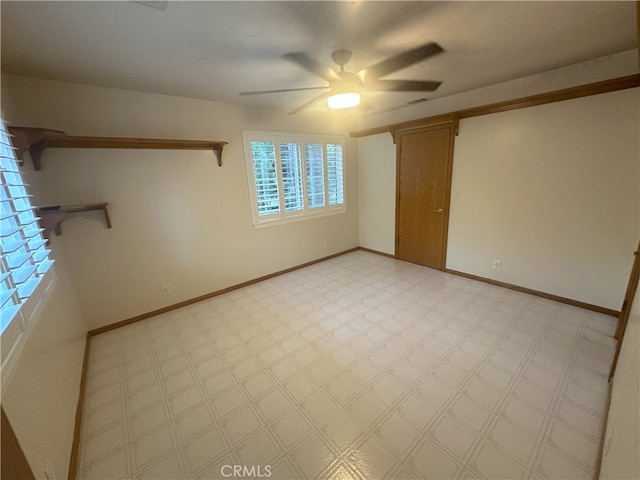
{"x":572,"y":239}
{"x":621,"y":458}
{"x":376,"y":185}
{"x":552,"y":191}
{"x":40,"y":391}
{"x":178,"y":219}
{"x":41,"y":398}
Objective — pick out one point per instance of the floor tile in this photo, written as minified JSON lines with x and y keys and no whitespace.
{"x":526,"y":417}
{"x":513,"y":441}
{"x":552,"y":465}
{"x":312,"y":457}
{"x":193,"y":421}
{"x":202,"y":449}
{"x":100,"y":443}
{"x":342,"y":430}
{"x":319,"y":406}
{"x":168,"y":468}
{"x":290,"y":428}
{"x":148,"y":419}
{"x":115,"y":466}
{"x":397,"y":434}
{"x":241,"y":424}
{"x":260,"y":450}
{"x":151,"y":445}
{"x":358,"y":367}
{"x":490,"y":463}
{"x":373,"y":459}
{"x":453,"y":437}
{"x":429,"y":461}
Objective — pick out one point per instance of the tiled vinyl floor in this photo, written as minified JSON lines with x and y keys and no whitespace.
{"x":358,"y":367}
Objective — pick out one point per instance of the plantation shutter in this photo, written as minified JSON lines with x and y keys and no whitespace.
{"x":315,"y":175}
{"x":335,"y":174}
{"x":266,"y":177}
{"x":291,"y":176}
{"x":24,"y":256}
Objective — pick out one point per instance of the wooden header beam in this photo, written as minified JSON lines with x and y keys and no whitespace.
{"x":596,"y":88}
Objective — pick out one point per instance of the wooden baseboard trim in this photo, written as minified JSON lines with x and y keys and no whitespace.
{"x":537,"y":293}
{"x":377,"y":252}
{"x":207,"y":296}
{"x":77,"y":430}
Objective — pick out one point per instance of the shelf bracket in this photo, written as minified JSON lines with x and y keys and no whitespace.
{"x":51,"y":219}
{"x":217,"y":149}
{"x":35,"y":150}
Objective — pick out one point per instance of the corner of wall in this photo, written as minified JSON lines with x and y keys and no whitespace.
{"x":620,"y":459}
{"x":41,"y":397}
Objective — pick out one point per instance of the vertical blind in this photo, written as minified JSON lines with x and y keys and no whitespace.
{"x":24,"y":256}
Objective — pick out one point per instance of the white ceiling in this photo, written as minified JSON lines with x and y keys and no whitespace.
{"x":214,"y":50}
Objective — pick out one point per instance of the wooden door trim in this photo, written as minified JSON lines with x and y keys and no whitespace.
{"x":623,"y":319}
{"x":450,"y":123}
{"x":432,"y":123}
{"x":14,"y":461}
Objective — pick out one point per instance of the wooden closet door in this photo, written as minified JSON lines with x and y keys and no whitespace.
{"x":423,"y":189}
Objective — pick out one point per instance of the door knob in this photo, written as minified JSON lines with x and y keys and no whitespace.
{"x":439,"y":210}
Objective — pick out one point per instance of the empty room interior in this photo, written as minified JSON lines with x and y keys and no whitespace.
{"x":342,"y":240}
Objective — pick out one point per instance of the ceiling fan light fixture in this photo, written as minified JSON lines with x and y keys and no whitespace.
{"x":344,"y":100}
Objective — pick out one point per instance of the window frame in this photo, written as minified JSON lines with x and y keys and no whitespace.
{"x":307,"y":212}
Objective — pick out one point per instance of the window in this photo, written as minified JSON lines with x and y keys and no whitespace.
{"x":24,"y":256}
{"x":294,"y":177}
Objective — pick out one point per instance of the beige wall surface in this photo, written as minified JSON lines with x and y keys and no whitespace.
{"x":376,"y":186}
{"x":41,"y":398}
{"x":552,"y":191}
{"x":621,"y":452}
{"x":178,"y":218}
{"x":40,"y":390}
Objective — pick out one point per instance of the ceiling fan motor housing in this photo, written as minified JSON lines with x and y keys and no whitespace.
{"x":341,"y":57}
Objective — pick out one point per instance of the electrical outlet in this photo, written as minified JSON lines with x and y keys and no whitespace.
{"x":497,"y":264}
{"x":165,"y":289}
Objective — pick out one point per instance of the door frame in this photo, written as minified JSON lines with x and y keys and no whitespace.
{"x":451,"y":123}
{"x":623,"y":318}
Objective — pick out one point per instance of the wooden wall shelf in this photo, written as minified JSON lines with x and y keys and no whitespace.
{"x":51,"y":219}
{"x":36,"y":140}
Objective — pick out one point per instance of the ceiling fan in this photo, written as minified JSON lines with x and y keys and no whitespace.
{"x":346,"y":87}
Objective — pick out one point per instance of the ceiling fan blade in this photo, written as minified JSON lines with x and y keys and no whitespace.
{"x":284,"y":90}
{"x":310,"y":102}
{"x":400,"y":61}
{"x":310,"y":65}
{"x":403,"y":85}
